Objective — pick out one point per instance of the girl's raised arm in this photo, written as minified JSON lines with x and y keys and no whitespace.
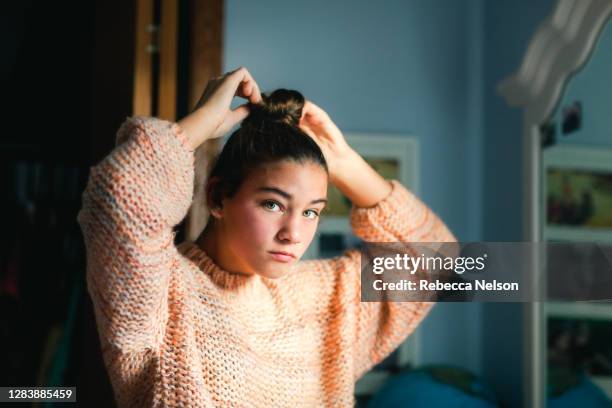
{"x":133,"y":199}
{"x":383,"y":211}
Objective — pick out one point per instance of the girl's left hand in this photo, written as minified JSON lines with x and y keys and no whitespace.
{"x":347,"y":169}
{"x":317,"y":124}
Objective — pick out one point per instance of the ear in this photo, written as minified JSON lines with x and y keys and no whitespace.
{"x":214,"y":200}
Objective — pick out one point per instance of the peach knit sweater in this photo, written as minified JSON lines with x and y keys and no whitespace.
{"x":178,"y":331}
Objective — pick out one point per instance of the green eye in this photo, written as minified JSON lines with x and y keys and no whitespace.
{"x":311,"y":214}
{"x":271,"y":205}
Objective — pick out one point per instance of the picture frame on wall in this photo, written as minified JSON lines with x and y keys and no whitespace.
{"x":576,"y":208}
{"x":577,"y":194}
{"x":394,"y":157}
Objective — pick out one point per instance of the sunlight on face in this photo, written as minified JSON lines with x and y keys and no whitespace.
{"x":270,"y":222}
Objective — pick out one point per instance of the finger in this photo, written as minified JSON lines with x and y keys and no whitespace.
{"x":306,"y":107}
{"x":248,"y":88}
{"x":251,"y":91}
{"x":309,"y":132}
{"x":310,"y":109}
{"x":314,"y":109}
{"x":310,"y":116}
{"x":257,"y":94}
{"x":315,"y":114}
{"x":237,"y":115}
{"x":244,"y":82}
{"x":235,"y":71}
{"x":239,"y":76}
{"x":233,"y":80}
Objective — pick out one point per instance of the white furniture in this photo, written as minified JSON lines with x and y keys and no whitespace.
{"x":560,"y":47}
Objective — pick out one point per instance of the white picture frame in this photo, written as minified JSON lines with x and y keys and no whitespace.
{"x":580,"y":167}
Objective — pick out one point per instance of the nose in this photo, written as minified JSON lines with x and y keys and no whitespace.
{"x":290,"y":230}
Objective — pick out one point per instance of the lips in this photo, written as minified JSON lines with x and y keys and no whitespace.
{"x":282,"y":256}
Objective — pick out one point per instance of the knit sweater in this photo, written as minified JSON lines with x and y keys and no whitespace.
{"x":176,"y":330}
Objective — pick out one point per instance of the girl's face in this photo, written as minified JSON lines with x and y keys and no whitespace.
{"x":269,"y":223}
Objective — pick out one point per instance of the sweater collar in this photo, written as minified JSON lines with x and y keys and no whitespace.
{"x":221,"y":277}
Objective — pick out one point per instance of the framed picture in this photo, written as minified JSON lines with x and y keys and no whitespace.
{"x":394,"y":157}
{"x":577,"y":194}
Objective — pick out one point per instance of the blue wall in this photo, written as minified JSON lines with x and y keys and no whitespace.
{"x":426,"y":68}
{"x":393,"y":66}
{"x":508,"y":28}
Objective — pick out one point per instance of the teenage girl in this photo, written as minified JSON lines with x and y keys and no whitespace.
{"x":235,"y":318}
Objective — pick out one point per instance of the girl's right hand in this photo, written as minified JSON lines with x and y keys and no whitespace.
{"x":212,"y":116}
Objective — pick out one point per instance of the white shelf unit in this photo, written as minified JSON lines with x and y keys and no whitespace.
{"x":579,"y":310}
{"x":591,"y":310}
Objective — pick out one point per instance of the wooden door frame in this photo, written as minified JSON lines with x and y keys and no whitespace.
{"x":205,"y":62}
{"x":205,"y":59}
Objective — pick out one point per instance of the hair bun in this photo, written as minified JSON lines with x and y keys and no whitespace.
{"x":282,"y":105}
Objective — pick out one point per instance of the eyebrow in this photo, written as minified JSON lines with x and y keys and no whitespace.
{"x":287,"y":195}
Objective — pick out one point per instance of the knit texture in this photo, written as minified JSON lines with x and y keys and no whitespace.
{"x":178,"y":331}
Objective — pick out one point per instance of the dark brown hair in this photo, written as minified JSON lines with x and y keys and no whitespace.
{"x":269,"y":134}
